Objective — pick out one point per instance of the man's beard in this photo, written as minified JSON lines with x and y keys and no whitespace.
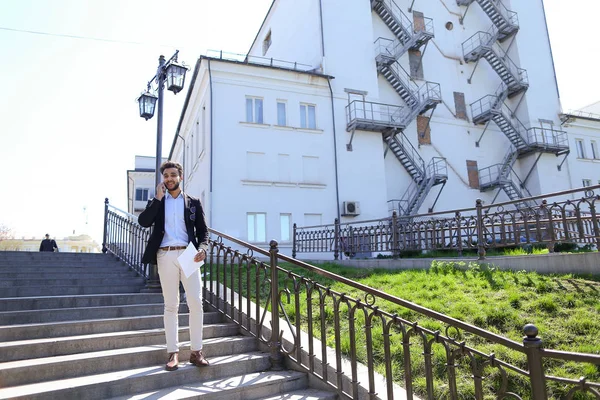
{"x":176,"y":186}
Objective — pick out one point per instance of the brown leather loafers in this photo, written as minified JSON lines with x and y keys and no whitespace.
{"x":173,"y":362}
{"x":197,"y":358}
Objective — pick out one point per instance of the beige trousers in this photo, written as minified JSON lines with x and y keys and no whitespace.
{"x":170,"y":274}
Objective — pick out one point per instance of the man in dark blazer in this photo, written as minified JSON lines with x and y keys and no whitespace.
{"x":48,"y":244}
{"x":178,"y":219}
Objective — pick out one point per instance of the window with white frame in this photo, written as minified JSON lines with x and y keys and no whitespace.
{"x":281,"y":113}
{"x":284,"y":168}
{"x":595,"y":154}
{"x":586,"y":182}
{"x":308,"y":116}
{"x":257,"y":227}
{"x":204,"y":129}
{"x":580,"y":149}
{"x":285,"y":226}
{"x":256,"y":166}
{"x":266,"y":43}
{"x":198,"y":138}
{"x":254,"y":110}
{"x":313,"y":219}
{"x":310,"y":169}
{"x":141,"y":194}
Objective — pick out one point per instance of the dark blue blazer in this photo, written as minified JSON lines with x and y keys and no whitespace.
{"x":154,"y":214}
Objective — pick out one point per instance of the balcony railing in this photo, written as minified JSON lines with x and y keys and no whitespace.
{"x":368,"y":115}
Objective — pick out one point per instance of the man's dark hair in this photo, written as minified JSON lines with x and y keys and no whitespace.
{"x":171,"y":164}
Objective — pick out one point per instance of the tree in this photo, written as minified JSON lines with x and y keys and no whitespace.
{"x":5,"y":232}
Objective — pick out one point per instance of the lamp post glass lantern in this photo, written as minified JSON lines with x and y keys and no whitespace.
{"x":147,"y":102}
{"x":175,"y":77}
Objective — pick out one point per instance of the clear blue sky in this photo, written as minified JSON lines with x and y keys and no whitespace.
{"x":70,"y":126}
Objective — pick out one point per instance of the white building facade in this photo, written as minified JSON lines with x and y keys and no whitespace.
{"x":379,"y":105}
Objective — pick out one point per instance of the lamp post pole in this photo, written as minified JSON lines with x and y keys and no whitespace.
{"x":160,"y":78}
{"x":174,"y":75}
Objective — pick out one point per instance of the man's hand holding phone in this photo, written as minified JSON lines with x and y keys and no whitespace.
{"x":161,"y":189}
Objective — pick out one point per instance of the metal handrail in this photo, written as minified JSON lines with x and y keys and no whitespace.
{"x":125,"y":238}
{"x":373,"y":111}
{"x":411,"y":153}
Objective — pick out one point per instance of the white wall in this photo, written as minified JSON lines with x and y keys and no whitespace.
{"x":364,"y":175}
{"x":295,"y":33}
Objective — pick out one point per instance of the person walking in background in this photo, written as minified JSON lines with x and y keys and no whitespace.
{"x":48,"y":244}
{"x":178,"y":219}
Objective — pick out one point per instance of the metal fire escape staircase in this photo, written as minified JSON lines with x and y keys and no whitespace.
{"x":483,"y":45}
{"x":409,"y":36}
{"x":424,"y":177}
{"x":505,"y":20}
{"x":523,"y":141}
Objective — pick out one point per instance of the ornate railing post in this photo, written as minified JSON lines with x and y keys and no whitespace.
{"x":274,"y":341}
{"x":294,"y":241}
{"x":595,"y":222}
{"x":533,"y":345}
{"x":336,"y":239}
{"x":395,"y":236}
{"x":480,"y":241}
{"x":548,"y":226}
{"x":459,"y":244}
{"x":104,"y":238}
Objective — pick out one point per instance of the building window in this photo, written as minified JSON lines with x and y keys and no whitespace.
{"x":580,"y":149}
{"x":285,"y":224}
{"x":284,"y":168}
{"x":308,"y":116}
{"x":313,"y":219}
{"x":267,"y":43}
{"x":141,"y":194}
{"x":586,"y":182}
{"x":281,"y":113}
{"x":257,"y":227}
{"x":460,"y":106}
{"x":416,"y":64}
{"x":254,"y":110}
{"x":595,"y":154}
{"x":473,"y":174}
{"x":256,"y":166}
{"x":310,"y":169}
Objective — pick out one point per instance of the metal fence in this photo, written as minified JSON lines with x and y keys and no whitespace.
{"x":125,"y":238}
{"x":337,"y":335}
{"x":555,"y":219}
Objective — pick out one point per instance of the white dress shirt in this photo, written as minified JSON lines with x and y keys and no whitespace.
{"x":175,"y":232}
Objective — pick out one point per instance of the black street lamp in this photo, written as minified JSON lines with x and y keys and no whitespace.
{"x":174,"y":74}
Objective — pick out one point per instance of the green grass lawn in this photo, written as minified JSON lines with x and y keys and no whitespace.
{"x":565,"y":308}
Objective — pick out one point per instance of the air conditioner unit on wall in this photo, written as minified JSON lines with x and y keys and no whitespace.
{"x":350,"y":208}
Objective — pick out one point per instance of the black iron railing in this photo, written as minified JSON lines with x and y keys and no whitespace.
{"x":125,"y":238}
{"x":556,"y":219}
{"x":338,"y":335}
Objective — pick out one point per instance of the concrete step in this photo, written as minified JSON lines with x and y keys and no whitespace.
{"x":128,"y":382}
{"x":29,"y":291}
{"x":72,"y":281}
{"x":51,"y":347}
{"x":94,"y":300}
{"x":258,"y":385}
{"x":46,"y":369}
{"x":70,"y":267}
{"x":81,"y":313}
{"x":89,"y":327}
{"x":59,"y":274}
{"x":305,"y":394}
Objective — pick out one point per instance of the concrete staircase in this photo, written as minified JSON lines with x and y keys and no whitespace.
{"x":75,"y":326}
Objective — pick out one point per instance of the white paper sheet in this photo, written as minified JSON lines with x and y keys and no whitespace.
{"x":186,"y":260}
